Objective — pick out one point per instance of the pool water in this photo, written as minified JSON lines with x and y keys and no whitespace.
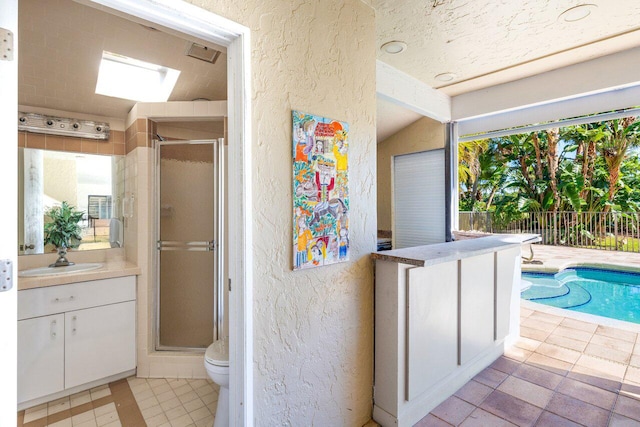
{"x":605,"y":293}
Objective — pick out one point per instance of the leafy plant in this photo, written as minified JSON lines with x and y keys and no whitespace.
{"x":62,"y":230}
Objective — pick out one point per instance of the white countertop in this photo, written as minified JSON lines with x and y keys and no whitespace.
{"x":422,"y":256}
{"x":109,"y":269}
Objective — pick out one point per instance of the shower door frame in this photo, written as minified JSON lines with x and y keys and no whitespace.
{"x":218,"y":244}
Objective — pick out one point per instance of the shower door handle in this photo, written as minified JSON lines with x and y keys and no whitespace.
{"x":170,"y":245}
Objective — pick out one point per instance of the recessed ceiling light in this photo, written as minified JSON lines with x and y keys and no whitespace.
{"x":394,"y":47}
{"x":577,"y":13}
{"x":445,"y":77}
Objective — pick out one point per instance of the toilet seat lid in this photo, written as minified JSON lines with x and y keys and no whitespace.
{"x":218,"y":353}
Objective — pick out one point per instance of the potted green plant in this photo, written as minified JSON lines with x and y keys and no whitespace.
{"x":63,"y":231}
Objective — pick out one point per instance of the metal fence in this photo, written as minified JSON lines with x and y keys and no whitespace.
{"x":617,"y":231}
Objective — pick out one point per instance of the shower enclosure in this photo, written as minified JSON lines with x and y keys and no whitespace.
{"x":189,"y":249}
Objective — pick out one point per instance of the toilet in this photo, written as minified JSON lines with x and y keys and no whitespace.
{"x":216,"y":362}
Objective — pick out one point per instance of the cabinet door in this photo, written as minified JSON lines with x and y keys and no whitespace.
{"x":40,"y":356}
{"x":100,"y":342}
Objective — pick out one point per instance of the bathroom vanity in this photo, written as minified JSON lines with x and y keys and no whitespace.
{"x":75,"y":333}
{"x":443,"y":313}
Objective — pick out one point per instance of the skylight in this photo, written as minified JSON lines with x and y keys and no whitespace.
{"x":128,"y":78}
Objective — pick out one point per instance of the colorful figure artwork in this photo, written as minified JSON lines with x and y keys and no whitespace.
{"x":320,"y":191}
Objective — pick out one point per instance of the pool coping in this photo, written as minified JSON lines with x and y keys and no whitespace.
{"x":541,"y":268}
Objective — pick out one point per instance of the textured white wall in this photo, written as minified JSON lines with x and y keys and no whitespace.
{"x":313,"y":336}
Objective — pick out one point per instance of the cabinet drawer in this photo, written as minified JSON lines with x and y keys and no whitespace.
{"x":75,"y":296}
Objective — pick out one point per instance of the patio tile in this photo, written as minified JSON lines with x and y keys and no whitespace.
{"x":526,"y":391}
{"x":578,"y":411}
{"x":617,"y":333}
{"x":532,"y":323}
{"x":534,"y":334}
{"x":628,"y":407}
{"x":635,"y":360}
{"x":430,"y":421}
{"x":580,"y":325}
{"x":546,"y":317}
{"x":525,"y":312}
{"x":547,"y":419}
{"x":595,"y":378}
{"x":490,"y":377}
{"x":511,"y":408}
{"x":613,"y":343}
{"x":480,"y":418}
{"x":538,"y":376}
{"x":587,"y":393}
{"x":474,"y":392}
{"x":505,"y":365}
{"x":565,"y":342}
{"x":573,"y":333}
{"x":613,"y":369}
{"x":618,"y":420}
{"x":607,"y":353}
{"x":549,"y":363}
{"x":633,"y":374}
{"x":560,"y":353}
{"x":528,"y":344}
{"x":453,"y":410}
{"x":518,"y":354}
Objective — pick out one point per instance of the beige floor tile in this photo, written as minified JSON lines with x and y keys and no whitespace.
{"x":35,"y":413}
{"x":89,"y":423}
{"x":200,"y":413}
{"x":167,"y":395}
{"x":156,"y":421}
{"x":545,"y":317}
{"x":83,"y":417}
{"x":517,"y":353}
{"x":62,"y":423}
{"x":133,"y":381}
{"x":533,"y":323}
{"x":176,"y":412}
{"x":58,"y":405}
{"x":80,"y":398}
{"x":105,"y":409}
{"x":114,"y":424}
{"x":205,"y":389}
{"x":170,"y":404}
{"x":193,"y":405}
{"x":143,"y":395}
{"x":538,"y":376}
{"x":151,"y":412}
{"x":186,"y":388}
{"x":526,"y":391}
{"x":205,"y":422}
{"x":188,"y":397}
{"x":160,"y":389}
{"x":148,"y":403}
{"x":210,"y":399}
{"x":550,"y":364}
{"x":176,"y":383}
{"x":632,"y":374}
{"x":525,"y":312}
{"x":534,"y":334}
{"x":183,"y":421}
{"x":100,"y":392}
{"x":489,"y":377}
{"x":595,"y":378}
{"x":107,"y":418}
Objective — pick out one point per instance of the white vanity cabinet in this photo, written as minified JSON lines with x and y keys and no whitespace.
{"x":75,"y":334}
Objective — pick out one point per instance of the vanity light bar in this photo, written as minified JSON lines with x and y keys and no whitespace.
{"x":51,"y":125}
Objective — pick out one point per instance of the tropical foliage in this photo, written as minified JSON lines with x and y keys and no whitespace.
{"x":581,"y":168}
{"x":61,"y":228}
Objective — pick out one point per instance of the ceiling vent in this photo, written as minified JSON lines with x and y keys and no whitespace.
{"x":51,"y":125}
{"x":203,"y":53}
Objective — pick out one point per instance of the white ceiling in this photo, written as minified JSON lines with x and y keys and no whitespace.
{"x":61,"y":44}
{"x":484,"y":42}
{"x":489,"y":42}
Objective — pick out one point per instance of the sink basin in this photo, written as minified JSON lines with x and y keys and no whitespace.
{"x":53,"y":271}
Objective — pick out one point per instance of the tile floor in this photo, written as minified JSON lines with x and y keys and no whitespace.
{"x":133,"y":402}
{"x":562,"y":372}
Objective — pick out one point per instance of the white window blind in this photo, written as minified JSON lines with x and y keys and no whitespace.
{"x":419,"y":199}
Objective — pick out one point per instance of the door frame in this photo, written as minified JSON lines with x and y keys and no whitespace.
{"x":9,"y":217}
{"x":191,"y":20}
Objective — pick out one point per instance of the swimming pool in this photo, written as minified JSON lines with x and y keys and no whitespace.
{"x":607,"y":293}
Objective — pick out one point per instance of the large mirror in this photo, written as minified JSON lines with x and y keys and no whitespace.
{"x":92,"y":184}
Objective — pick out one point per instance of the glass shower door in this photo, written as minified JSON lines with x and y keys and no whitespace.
{"x":187,"y":229}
